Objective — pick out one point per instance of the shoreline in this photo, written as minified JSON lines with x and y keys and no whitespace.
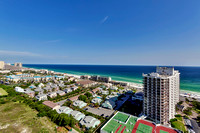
{"x":184,"y":93}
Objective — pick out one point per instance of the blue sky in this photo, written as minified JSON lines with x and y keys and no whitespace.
{"x":124,"y":32}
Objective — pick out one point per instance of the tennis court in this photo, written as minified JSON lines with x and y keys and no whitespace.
{"x":121,"y":117}
{"x":163,"y":129}
{"x":113,"y":125}
{"x":133,"y":125}
{"x":142,"y":128}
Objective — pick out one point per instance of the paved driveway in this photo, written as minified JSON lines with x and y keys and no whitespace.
{"x":195,"y":126}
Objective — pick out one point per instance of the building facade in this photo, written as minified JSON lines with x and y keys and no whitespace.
{"x":2,"y":63}
{"x":18,"y":64}
{"x":161,"y":94}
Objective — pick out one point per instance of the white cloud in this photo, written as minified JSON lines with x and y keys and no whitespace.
{"x":26,"y":56}
{"x":18,"y":53}
{"x":104,"y":19}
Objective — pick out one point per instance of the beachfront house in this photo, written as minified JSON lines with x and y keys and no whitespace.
{"x":30,"y":92}
{"x":54,"y":87}
{"x":112,"y":97}
{"x":79,"y":103}
{"x":41,"y":85}
{"x":61,"y":85}
{"x":32,"y":86}
{"x":96,"y":100}
{"x":74,"y":88}
{"x":114,"y":88}
{"x":19,"y":89}
{"x":39,"y":90}
{"x":64,"y":109}
{"x":90,"y":121}
{"x":67,"y":90}
{"x":41,"y":97}
{"x":48,"y":88}
{"x":109,"y":104}
{"x":104,"y":92}
{"x":77,"y":115}
{"x":37,"y":78}
{"x":52,"y":94}
{"x":61,"y":93}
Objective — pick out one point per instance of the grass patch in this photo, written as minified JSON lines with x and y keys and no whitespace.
{"x":21,"y":118}
{"x":3,"y":92}
{"x":179,"y":118}
{"x":178,"y":125}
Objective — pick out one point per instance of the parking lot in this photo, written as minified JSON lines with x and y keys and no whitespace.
{"x":100,"y":111}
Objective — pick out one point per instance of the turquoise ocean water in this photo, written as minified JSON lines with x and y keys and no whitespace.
{"x":190,"y":76}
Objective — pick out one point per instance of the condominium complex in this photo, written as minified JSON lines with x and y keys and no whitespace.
{"x":100,"y":78}
{"x":2,"y":64}
{"x":161,"y":94}
{"x":18,"y":64}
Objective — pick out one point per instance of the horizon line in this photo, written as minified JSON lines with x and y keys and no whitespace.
{"x":113,"y":64}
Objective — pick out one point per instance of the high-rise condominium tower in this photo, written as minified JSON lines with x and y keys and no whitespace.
{"x":2,"y":64}
{"x":18,"y":64}
{"x":161,"y":94}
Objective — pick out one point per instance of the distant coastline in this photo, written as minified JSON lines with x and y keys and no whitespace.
{"x":131,"y":74}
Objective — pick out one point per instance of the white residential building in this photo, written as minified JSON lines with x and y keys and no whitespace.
{"x":41,"y":97}
{"x":161,"y":94}
{"x":96,"y":100}
{"x":105,"y":92}
{"x":67,"y":90}
{"x":64,"y":109}
{"x":79,"y":103}
{"x":90,"y":121}
{"x":77,"y":115}
{"x":109,"y":104}
{"x":114,"y":88}
{"x":19,"y":89}
{"x":2,"y":64}
{"x":52,"y":94}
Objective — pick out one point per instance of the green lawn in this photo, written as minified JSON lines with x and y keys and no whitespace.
{"x":142,"y":128}
{"x":121,"y":117}
{"x":17,"y":118}
{"x":3,"y":92}
{"x":179,"y":118}
{"x":178,"y":125}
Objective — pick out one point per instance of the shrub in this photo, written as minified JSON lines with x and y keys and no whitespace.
{"x":178,"y":115}
{"x":173,"y":120}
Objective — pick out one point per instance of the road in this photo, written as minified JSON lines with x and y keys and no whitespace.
{"x":195,"y":126}
{"x":182,"y":98}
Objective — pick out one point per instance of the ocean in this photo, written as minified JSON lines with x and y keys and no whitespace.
{"x":190,"y":76}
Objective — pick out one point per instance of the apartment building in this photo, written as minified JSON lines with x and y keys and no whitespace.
{"x":161,"y":94}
